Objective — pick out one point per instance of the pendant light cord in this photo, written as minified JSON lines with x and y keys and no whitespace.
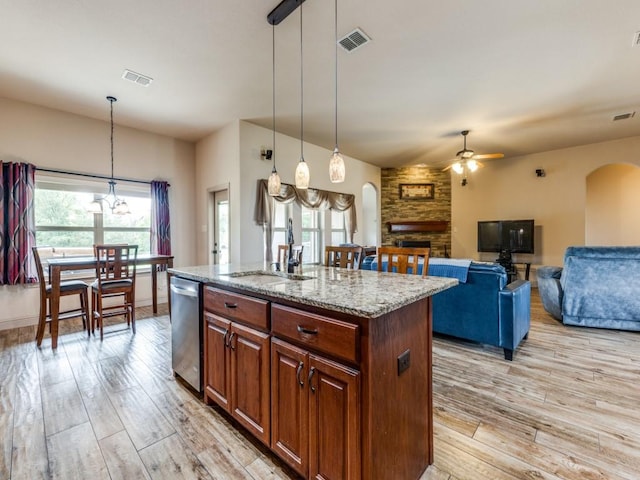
{"x":301,"y":93}
{"x":336,"y":69}
{"x":273,"y":84}
{"x":111,"y":100}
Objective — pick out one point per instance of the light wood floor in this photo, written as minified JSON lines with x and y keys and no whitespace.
{"x":567,"y":407}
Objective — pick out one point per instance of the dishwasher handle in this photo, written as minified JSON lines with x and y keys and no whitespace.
{"x":187,"y":292}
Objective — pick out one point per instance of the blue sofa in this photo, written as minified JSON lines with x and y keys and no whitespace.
{"x":598,"y":287}
{"x":482,"y":307}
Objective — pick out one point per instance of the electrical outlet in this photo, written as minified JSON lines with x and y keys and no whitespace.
{"x":403,"y":361}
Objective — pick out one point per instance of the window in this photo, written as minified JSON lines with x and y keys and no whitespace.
{"x":63,"y":223}
{"x":338,"y":230}
{"x":311,"y":230}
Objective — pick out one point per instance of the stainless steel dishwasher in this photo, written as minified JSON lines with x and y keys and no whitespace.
{"x":186,"y":331}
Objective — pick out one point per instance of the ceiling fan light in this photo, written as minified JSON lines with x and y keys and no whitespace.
{"x":458,"y":168}
{"x":302,"y":174}
{"x":472,"y":165}
{"x":336,"y":167}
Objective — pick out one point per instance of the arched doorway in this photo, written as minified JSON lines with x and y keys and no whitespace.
{"x":369,"y":226}
{"x":612,"y":208}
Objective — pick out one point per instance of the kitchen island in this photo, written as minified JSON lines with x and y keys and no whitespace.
{"x":329,"y":368}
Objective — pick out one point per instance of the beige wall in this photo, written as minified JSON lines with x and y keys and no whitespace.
{"x":232,"y":156}
{"x":613,"y":197}
{"x":59,"y":140}
{"x":509,"y":189}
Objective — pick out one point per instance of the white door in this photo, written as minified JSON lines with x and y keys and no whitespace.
{"x":220,"y":223}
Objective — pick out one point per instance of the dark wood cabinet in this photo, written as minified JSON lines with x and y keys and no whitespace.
{"x":237,"y":372}
{"x":336,"y":396}
{"x":315,"y":416}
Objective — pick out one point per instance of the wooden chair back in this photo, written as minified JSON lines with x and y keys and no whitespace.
{"x":116,"y":262}
{"x":400,"y":259}
{"x":283,"y":254}
{"x":343,"y":257}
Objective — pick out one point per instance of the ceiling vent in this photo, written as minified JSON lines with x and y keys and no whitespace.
{"x":354,"y":40}
{"x":623,"y":116}
{"x":636,"y":39}
{"x":137,"y":78}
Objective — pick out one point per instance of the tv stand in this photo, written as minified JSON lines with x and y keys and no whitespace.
{"x":506,"y":260}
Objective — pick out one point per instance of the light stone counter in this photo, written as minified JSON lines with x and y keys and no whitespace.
{"x":361,"y":293}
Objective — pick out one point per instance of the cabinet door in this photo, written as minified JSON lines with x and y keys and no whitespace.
{"x":289,"y":404}
{"x":216,"y":369}
{"x":334,"y":420}
{"x":250,"y":375}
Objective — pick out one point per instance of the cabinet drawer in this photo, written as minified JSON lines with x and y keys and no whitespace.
{"x":327,"y":335}
{"x":249,"y":310}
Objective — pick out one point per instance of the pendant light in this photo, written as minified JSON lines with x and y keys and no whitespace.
{"x":274,"y":178}
{"x":117,"y":205}
{"x":336,"y":163}
{"x":302,"y":170}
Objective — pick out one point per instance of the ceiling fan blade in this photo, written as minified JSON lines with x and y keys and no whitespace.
{"x":489,"y":155}
{"x":447,"y":168}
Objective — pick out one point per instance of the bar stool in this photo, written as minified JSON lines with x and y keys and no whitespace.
{"x":116,"y":280}
{"x":67,"y":288}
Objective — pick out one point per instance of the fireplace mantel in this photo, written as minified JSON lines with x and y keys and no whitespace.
{"x":404,"y":226}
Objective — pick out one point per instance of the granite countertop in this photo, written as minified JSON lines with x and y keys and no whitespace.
{"x":361,"y":293}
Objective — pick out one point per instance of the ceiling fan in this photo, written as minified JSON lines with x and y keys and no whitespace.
{"x":467,"y":160}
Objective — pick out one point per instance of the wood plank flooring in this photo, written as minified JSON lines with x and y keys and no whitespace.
{"x":567,"y":407}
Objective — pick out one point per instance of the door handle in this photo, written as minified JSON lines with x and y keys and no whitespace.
{"x":300,"y":367}
{"x":224,"y":338}
{"x":311,"y":372}
{"x":231,"y":340}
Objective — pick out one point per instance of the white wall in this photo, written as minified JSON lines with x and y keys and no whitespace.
{"x":509,"y":189}
{"x":59,"y":140}
{"x":216,"y":164}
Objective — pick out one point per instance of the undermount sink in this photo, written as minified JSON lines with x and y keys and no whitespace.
{"x":266,"y":275}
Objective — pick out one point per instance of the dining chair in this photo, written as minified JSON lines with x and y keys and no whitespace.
{"x":115,"y":282}
{"x":400,"y":259}
{"x":343,"y":257}
{"x":283,"y":254}
{"x":67,"y":288}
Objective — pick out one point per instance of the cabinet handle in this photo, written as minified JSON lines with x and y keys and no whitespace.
{"x":308,"y":331}
{"x":300,"y":367}
{"x":224,"y":339}
{"x":311,"y":372}
{"x":230,"y":305}
{"x":231,"y":340}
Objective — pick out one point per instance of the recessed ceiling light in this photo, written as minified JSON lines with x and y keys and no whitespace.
{"x":138,"y":78}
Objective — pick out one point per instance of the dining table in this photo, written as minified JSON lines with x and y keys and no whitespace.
{"x":57,"y":265}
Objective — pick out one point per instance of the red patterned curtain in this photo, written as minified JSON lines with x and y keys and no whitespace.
{"x":160,"y":225}
{"x":17,"y":222}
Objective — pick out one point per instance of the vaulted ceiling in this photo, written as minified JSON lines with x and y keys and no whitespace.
{"x":524,"y":76}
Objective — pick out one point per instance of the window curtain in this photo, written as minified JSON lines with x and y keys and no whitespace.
{"x":160,"y":224}
{"x":309,"y":198}
{"x":17,"y":223}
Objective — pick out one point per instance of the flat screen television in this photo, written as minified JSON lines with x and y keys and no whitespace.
{"x":514,"y":236}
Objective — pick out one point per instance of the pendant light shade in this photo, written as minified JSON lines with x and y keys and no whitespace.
{"x":302,"y":170}
{"x":302,"y":174}
{"x":336,"y":167}
{"x":117,"y":205}
{"x":336,"y":164}
{"x":274,"y":179}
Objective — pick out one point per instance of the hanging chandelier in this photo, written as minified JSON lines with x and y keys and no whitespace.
{"x":118,"y":206}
